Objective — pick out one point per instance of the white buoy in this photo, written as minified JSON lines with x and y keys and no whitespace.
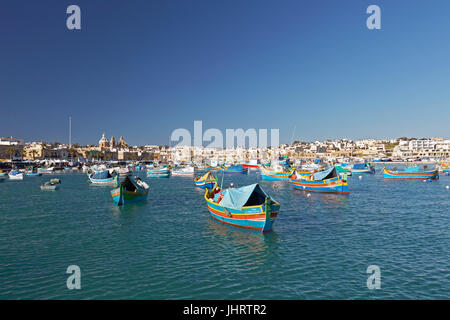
{"x":447,"y":187}
{"x":360,"y":177}
{"x":424,"y":180}
{"x":308,"y":195}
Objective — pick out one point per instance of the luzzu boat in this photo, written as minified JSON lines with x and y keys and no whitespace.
{"x":234,"y":169}
{"x":246,"y":207}
{"x":130,"y":190}
{"x":275,"y":173}
{"x":327,"y":181}
{"x":103,"y":177}
{"x":206,"y":181}
{"x":212,"y":168}
{"x":411,"y":173}
{"x":32,"y":173}
{"x":161,"y":172}
{"x":445,"y":166}
{"x":3,"y":173}
{"x":362,"y":168}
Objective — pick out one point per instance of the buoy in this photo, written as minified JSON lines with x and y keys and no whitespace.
{"x":360,"y":177}
{"x":308,"y":195}
{"x":424,"y":180}
{"x":429,"y":180}
{"x":447,"y":187}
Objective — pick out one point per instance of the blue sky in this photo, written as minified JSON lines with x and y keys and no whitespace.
{"x":141,"y":69}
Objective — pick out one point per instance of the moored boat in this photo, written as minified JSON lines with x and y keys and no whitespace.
{"x":362,"y":168}
{"x":161,"y":172}
{"x":32,"y":173}
{"x":103,"y":177}
{"x":206,"y":181}
{"x":53,"y":184}
{"x":246,"y":207}
{"x":183,"y":171}
{"x":15,"y":175}
{"x":130,"y":190}
{"x":275,"y":173}
{"x":411,"y":173}
{"x":327,"y":181}
{"x":234,"y":169}
{"x":3,"y":173}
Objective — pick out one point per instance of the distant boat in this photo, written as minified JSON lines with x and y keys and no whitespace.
{"x":53,"y":184}
{"x":130,"y":190}
{"x":251,"y":164}
{"x":327,"y":181}
{"x":103,"y":177}
{"x":212,"y":168}
{"x":3,"y":173}
{"x":161,"y":172}
{"x":275,"y":173}
{"x":245,"y":207}
{"x":32,"y":173}
{"x":234,"y":169}
{"x":15,"y":175}
{"x":184,"y":171}
{"x":445,"y":167}
{"x":411,"y":173}
{"x":123,"y":172}
{"x":206,"y":181}
{"x":362,"y":168}
{"x":46,"y":170}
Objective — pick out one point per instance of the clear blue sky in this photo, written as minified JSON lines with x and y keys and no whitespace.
{"x":141,"y":69}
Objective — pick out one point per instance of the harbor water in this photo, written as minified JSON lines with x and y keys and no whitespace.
{"x":170,"y":248}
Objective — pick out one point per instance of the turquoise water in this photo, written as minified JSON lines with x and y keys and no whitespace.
{"x":170,"y":248}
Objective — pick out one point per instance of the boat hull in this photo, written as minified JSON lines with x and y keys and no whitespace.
{"x":16,"y":177}
{"x":112,"y":180}
{"x":33,"y":174}
{"x":122,"y":197}
{"x":431,"y":174}
{"x":249,"y":217}
{"x":275,"y":176}
{"x":363,"y":171}
{"x":333,"y":185}
{"x":209,"y":184}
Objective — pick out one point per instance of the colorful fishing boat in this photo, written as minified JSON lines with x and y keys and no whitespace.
{"x":184,"y":171}
{"x":103,"y":177}
{"x":362,"y":168}
{"x":123,"y":172}
{"x":246,"y":207}
{"x":3,"y":173}
{"x":327,"y":181}
{"x":411,"y":173}
{"x":275,"y":173}
{"x":252,"y":164}
{"x":206,"y":181}
{"x":161,"y":172}
{"x":15,"y":175}
{"x":445,"y":167}
{"x":32,"y":173}
{"x":343,"y":168}
{"x":212,"y":168}
{"x":130,"y":190}
{"x":234,"y":169}
{"x":46,"y":170}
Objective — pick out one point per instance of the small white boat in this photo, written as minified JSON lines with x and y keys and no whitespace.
{"x":186,"y":171}
{"x":15,"y":175}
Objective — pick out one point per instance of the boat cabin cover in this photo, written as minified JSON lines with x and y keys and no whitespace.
{"x":236,"y":198}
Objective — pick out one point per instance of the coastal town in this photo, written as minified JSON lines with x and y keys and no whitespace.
{"x":108,"y":149}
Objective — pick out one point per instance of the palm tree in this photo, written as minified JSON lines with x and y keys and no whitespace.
{"x":34,"y":154}
{"x":11,"y":152}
